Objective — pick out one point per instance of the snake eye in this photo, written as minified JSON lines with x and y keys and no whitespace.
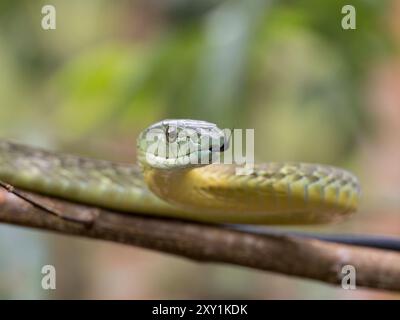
{"x":171,"y":134}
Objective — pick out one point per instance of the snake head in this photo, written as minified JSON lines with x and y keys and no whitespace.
{"x":180,"y":143}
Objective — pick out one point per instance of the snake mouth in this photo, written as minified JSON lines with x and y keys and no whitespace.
{"x":223,"y":146}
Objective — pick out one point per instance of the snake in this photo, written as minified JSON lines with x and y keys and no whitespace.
{"x":179,"y":174}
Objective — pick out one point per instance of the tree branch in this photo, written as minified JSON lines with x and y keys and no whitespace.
{"x":292,"y":256}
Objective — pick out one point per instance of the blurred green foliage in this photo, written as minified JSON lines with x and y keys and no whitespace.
{"x":285,"y":68}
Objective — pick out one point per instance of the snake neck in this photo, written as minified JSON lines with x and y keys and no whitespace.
{"x":197,"y":189}
{"x":169,"y":185}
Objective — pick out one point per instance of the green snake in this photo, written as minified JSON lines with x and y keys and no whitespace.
{"x":178,"y":177}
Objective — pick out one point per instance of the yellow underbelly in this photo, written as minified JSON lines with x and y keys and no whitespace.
{"x":274,"y":194}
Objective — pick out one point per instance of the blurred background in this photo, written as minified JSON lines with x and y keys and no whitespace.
{"x":311,"y":90}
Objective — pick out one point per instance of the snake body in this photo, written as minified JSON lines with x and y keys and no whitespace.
{"x":170,"y":185}
{"x":103,"y":183}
